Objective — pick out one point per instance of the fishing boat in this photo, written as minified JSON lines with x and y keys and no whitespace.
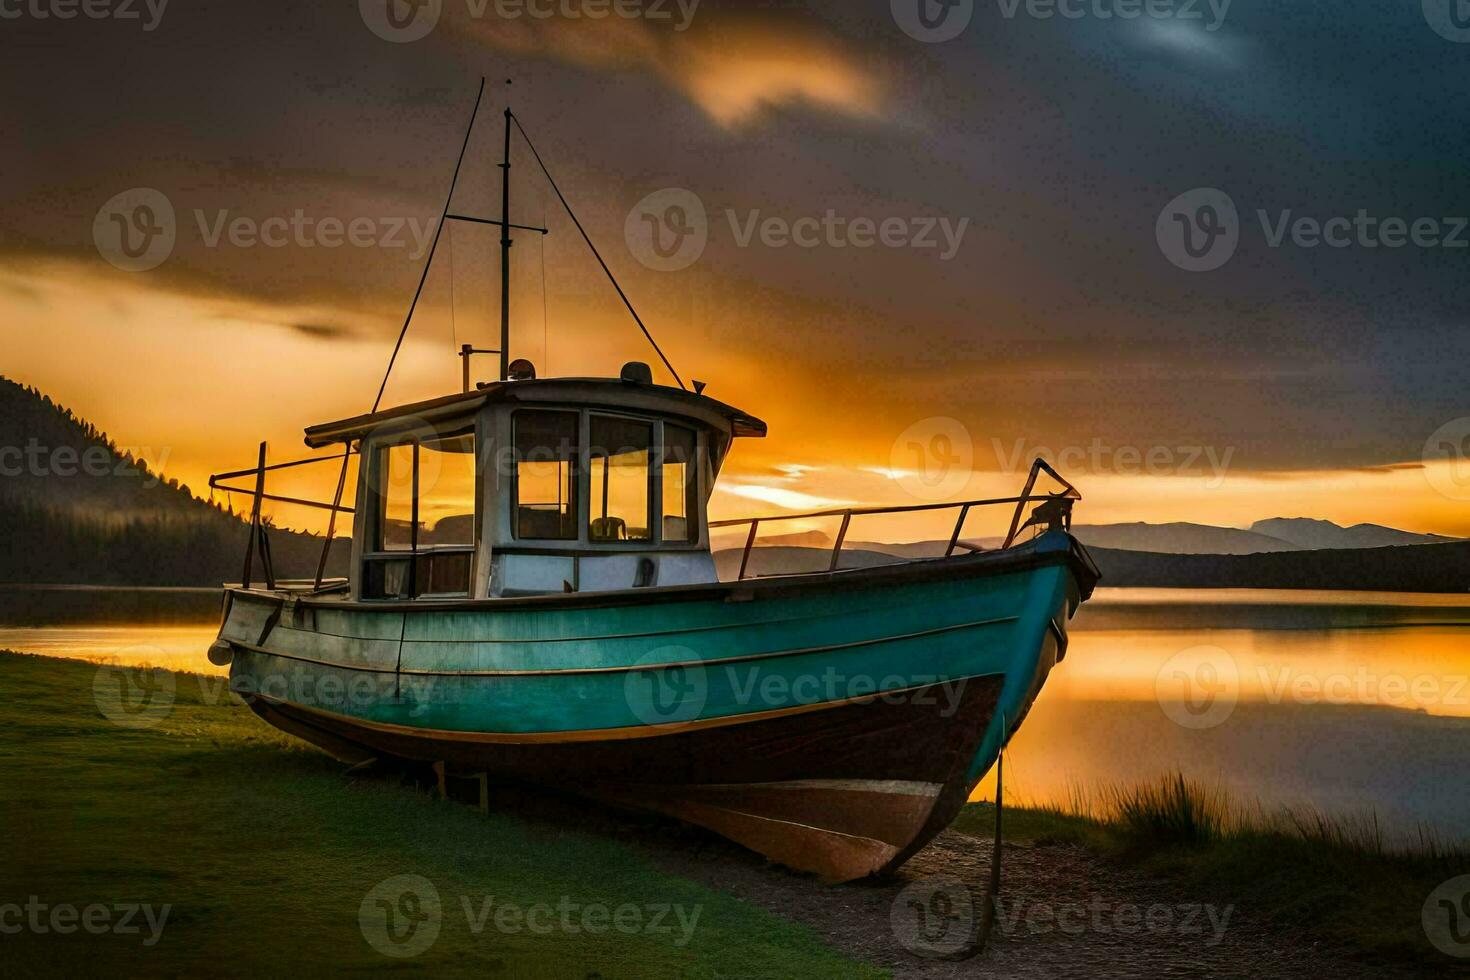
{"x":533,"y":597}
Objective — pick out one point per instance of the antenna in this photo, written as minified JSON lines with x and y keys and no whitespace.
{"x":505,"y":249}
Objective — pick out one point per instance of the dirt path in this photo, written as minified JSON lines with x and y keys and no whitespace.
{"x":1064,"y":912}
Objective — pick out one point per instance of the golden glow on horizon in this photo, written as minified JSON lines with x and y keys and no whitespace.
{"x":193,"y":384}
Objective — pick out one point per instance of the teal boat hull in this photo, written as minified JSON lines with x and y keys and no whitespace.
{"x":834,"y":722}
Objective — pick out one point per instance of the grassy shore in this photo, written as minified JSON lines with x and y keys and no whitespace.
{"x":1301,"y":869}
{"x":268,"y":859}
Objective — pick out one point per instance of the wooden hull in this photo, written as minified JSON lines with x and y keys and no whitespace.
{"x":705,"y":717}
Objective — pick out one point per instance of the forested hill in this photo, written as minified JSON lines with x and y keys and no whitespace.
{"x":77,"y":509}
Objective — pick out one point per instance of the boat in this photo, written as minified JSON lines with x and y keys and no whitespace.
{"x":533,"y":598}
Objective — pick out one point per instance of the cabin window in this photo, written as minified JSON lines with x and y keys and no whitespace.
{"x":680,"y":502}
{"x":545,"y":475}
{"x":620,"y":458}
{"x":425,"y":537}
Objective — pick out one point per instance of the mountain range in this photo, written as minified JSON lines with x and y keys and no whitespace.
{"x":1273,"y":535}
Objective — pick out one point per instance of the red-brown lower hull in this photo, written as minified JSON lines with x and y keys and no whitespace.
{"x":842,"y":791}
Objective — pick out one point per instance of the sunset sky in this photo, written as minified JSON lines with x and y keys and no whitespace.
{"x":1296,"y":379}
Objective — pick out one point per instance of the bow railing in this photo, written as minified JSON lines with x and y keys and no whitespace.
{"x":1054,"y":508}
{"x":258,"y":542}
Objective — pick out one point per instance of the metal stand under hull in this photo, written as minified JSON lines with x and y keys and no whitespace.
{"x":843,"y":791}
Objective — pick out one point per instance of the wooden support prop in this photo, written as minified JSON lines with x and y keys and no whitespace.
{"x":484,"y":778}
{"x":981,"y":937}
{"x":443,"y":785}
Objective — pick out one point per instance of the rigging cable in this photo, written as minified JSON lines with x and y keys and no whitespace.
{"x":545,"y":335}
{"x":453,"y":327}
{"x":595,"y":254}
{"x":428,"y":260}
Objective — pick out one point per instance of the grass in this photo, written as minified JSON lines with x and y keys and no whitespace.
{"x":266,"y":854}
{"x":1338,"y":879}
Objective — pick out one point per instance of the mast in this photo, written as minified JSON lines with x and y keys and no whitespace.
{"x":505,"y":255}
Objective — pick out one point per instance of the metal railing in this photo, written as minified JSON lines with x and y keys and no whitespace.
{"x":258,"y":542}
{"x":1056,"y":509}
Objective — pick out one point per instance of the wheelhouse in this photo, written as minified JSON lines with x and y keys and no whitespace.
{"x":536,"y":486}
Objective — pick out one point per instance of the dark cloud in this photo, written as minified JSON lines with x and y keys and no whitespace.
{"x":1059,"y":140}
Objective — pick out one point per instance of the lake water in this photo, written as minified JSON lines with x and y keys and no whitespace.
{"x":1352,"y":703}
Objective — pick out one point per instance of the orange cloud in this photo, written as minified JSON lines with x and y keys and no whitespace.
{"x":733,"y":71}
